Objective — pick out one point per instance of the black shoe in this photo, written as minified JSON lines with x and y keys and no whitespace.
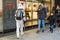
{"x":17,"y":38}
{"x":38,"y":31}
{"x":51,"y":31}
{"x":42,"y":30}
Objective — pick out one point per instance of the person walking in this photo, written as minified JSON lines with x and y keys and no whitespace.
{"x":20,"y":18}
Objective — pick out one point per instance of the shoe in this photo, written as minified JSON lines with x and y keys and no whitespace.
{"x":42,"y":30}
{"x":22,"y":33}
{"x":38,"y":31}
{"x":52,"y":31}
{"x":17,"y":38}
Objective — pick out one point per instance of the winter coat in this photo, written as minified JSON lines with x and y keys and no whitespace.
{"x":42,"y":12}
{"x":51,"y":19}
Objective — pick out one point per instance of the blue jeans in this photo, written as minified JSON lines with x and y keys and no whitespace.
{"x":39,"y":24}
{"x":51,"y":27}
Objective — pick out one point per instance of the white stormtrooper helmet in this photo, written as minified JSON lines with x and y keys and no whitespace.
{"x":20,"y":6}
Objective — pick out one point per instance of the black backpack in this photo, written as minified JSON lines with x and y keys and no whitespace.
{"x":19,"y":15}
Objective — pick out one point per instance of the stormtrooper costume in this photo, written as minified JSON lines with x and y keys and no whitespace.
{"x":20,"y":23}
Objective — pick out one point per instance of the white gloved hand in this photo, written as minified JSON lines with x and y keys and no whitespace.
{"x":24,"y":19}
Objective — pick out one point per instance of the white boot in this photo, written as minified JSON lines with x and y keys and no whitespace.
{"x":22,"y":33}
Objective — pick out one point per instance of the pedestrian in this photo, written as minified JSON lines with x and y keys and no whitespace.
{"x":42,"y":14}
{"x":51,"y":22}
{"x":53,"y":11}
{"x":58,"y":16}
{"x":20,"y":18}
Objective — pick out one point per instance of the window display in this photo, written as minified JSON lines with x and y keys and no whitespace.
{"x":31,"y":9}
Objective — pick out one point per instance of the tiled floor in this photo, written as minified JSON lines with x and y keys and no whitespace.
{"x":32,"y":35}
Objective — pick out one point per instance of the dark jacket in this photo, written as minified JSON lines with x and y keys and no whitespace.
{"x":42,"y":13}
{"x":57,"y":14}
{"x":51,"y":19}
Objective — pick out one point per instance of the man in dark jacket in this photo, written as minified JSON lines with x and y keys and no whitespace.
{"x":42,"y":13}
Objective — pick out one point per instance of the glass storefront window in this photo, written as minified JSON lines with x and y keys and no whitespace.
{"x":31,"y":7}
{"x":49,"y":5}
